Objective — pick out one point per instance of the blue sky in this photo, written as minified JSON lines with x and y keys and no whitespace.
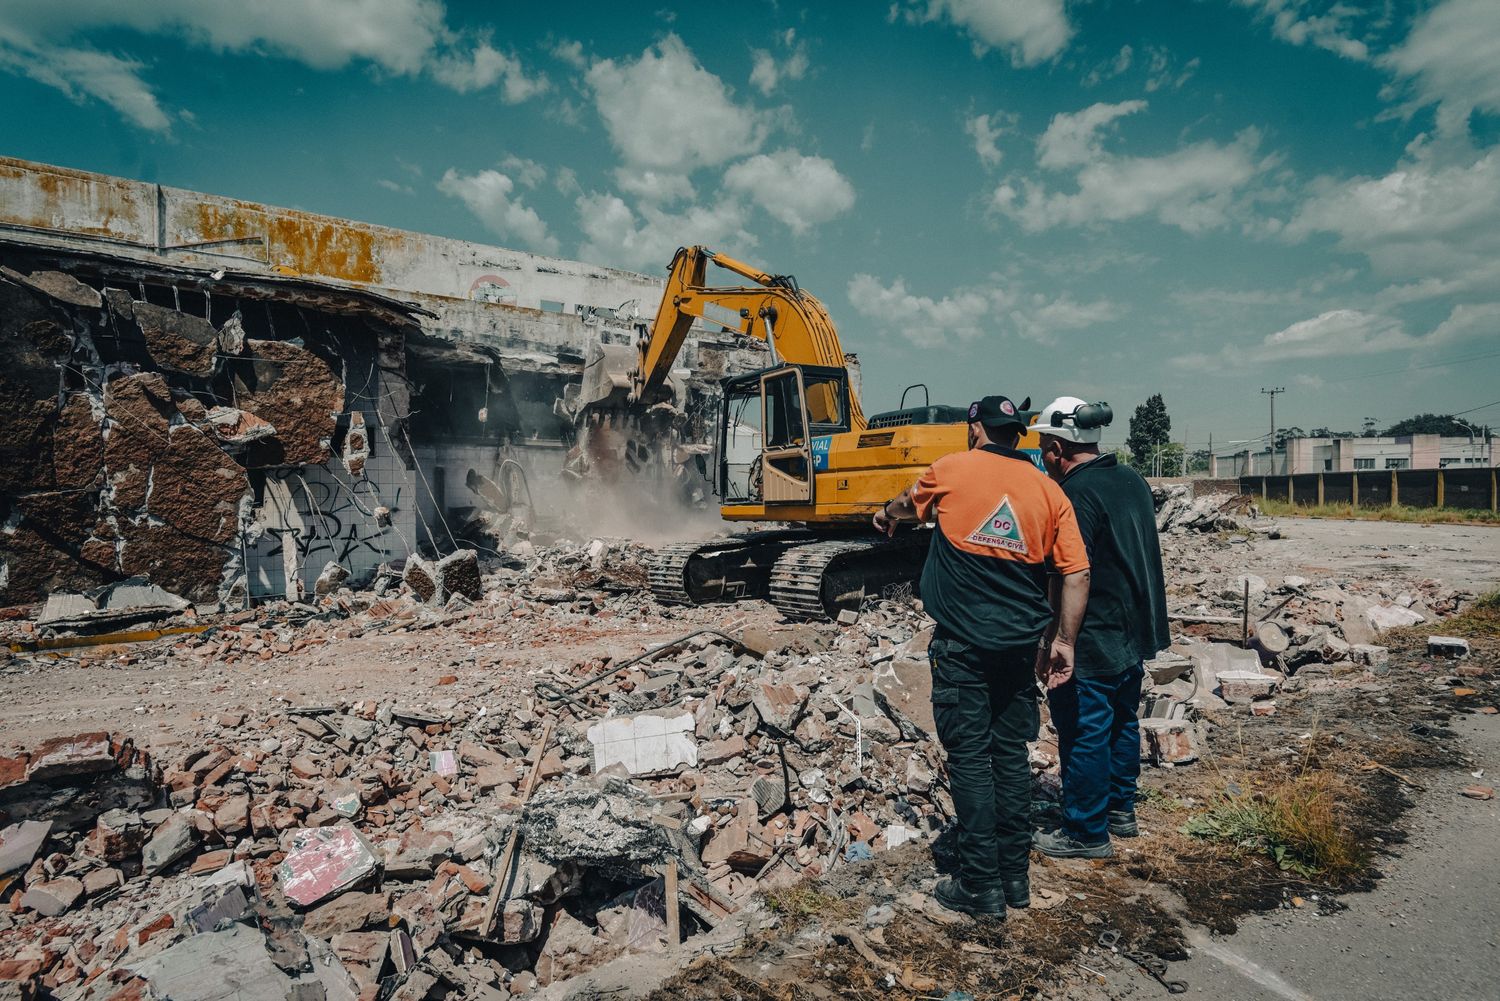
{"x":1105,"y":199}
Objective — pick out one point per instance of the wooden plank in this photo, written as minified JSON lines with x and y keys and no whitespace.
{"x":674,"y":929}
{"x":501,"y":875}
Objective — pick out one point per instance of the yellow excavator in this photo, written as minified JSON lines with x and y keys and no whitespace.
{"x":794,"y":448}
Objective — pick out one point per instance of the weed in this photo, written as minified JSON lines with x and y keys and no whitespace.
{"x":805,"y":902}
{"x":1294,"y":821}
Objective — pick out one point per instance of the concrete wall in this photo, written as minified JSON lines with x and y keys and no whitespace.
{"x":1345,"y":455}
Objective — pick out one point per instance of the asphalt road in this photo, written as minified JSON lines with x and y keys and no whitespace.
{"x":1431,"y":928}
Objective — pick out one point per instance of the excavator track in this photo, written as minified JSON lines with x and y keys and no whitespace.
{"x":698,"y":573}
{"x":818,"y":580}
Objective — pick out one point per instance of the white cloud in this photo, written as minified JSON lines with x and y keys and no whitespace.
{"x":970,"y":313}
{"x":1192,"y":188}
{"x":647,"y":237}
{"x":664,"y":111}
{"x":1435,"y":216}
{"x":1336,"y":332}
{"x":527,"y":173}
{"x":799,"y":191}
{"x":483,"y":67}
{"x":396,"y":186}
{"x":85,"y":73}
{"x":1162,"y":71}
{"x":40,"y":38}
{"x":1032,"y":31}
{"x":570,"y":52}
{"x":1073,"y":139}
{"x":490,"y":195}
{"x":768,"y":71}
{"x":1345,"y":333}
{"x":1452,"y":59}
{"x":1331,"y":29}
{"x":659,"y":187}
{"x":1110,"y":69}
{"x":986,"y":131}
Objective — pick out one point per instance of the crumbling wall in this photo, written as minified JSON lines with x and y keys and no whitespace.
{"x":166,"y":426}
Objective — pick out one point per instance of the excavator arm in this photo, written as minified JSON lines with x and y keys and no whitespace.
{"x":774,"y":309}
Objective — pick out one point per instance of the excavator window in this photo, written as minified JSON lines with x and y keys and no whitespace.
{"x":785,"y":426}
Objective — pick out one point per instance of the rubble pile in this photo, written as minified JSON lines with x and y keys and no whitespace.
{"x":486,"y":838}
{"x":1178,"y":511}
{"x":359,"y":848}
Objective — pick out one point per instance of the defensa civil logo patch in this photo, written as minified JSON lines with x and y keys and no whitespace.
{"x":1000,"y":530}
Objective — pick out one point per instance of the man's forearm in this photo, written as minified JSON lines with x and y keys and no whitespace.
{"x":1071,"y":599}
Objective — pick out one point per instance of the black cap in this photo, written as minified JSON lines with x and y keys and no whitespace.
{"x":999,"y":412}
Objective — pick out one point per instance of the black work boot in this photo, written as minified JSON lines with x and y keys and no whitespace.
{"x":988,"y":903}
{"x":1122,"y":823}
{"x":1017,"y":892}
{"x":1059,"y":844}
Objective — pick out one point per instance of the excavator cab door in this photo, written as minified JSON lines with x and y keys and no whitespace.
{"x":786,"y":453}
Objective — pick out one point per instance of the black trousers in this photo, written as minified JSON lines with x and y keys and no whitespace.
{"x":986,"y":708}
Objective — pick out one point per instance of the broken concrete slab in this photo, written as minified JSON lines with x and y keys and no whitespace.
{"x":645,"y":743}
{"x":177,"y":341}
{"x":172,"y":841}
{"x":126,"y":601}
{"x":1167,"y":741}
{"x":19,"y":844}
{"x":322,"y":862}
{"x":1382,"y":617}
{"x":1450,"y":647}
{"x":228,"y":965}
{"x":50,"y":898}
{"x":70,"y":757}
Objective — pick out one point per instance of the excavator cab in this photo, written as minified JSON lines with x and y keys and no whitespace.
{"x":775,"y":429}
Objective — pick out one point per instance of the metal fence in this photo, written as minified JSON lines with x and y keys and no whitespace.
{"x":1472,"y":489}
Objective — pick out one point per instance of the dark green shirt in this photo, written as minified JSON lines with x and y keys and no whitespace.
{"x":1126,"y":619}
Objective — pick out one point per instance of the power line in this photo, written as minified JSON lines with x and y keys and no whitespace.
{"x":1472,"y":409}
{"x":1412,"y":368}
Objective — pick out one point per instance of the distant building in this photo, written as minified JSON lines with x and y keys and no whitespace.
{"x":1342,"y":455}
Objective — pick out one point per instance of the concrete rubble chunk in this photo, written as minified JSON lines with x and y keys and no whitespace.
{"x":177,"y":341}
{"x":59,"y":285}
{"x":130,"y":600}
{"x":53,"y":897}
{"x":363,"y":954}
{"x":237,"y":427}
{"x":1369,"y":654}
{"x":577,"y":823}
{"x":1451,"y":647}
{"x":349,"y":912}
{"x":1167,"y":741}
{"x":322,"y":862}
{"x":645,"y":743}
{"x":330,"y":579}
{"x":69,"y":757}
{"x":1382,"y":617}
{"x":1243,"y":686}
{"x":20,"y":842}
{"x":227,"y":965}
{"x":169,"y":843}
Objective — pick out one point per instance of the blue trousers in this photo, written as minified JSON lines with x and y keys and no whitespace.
{"x":1099,"y":742}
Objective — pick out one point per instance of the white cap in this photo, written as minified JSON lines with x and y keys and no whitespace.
{"x":1065,"y":428}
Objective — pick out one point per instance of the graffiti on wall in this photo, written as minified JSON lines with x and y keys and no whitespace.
{"x":312,"y":516}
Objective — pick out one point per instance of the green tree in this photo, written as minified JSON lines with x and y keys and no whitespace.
{"x":1150,"y":427}
{"x":1198,"y":461}
{"x":1429,"y":424}
{"x":1283,"y":434}
{"x":1327,"y":433}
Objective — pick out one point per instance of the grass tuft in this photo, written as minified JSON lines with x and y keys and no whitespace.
{"x":1414,"y":515}
{"x":1295,"y":822}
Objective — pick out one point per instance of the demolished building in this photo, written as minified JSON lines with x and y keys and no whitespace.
{"x":224,"y":397}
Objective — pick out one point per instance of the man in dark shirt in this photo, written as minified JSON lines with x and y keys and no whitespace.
{"x":1098,"y":735}
{"x":999,"y":523}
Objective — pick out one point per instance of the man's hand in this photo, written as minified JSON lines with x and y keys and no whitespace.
{"x":884,"y":523}
{"x":1055,"y":664}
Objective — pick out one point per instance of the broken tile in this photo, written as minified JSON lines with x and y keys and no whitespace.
{"x":322,"y":862}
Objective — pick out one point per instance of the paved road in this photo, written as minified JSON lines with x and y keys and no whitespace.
{"x":1431,"y":929}
{"x":1462,"y":556}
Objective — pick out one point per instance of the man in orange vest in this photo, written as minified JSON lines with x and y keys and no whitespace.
{"x":999,"y":523}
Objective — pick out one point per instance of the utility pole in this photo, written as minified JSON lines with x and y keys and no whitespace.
{"x":1271,"y":446}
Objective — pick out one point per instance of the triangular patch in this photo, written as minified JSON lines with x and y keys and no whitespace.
{"x":1000,"y":530}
